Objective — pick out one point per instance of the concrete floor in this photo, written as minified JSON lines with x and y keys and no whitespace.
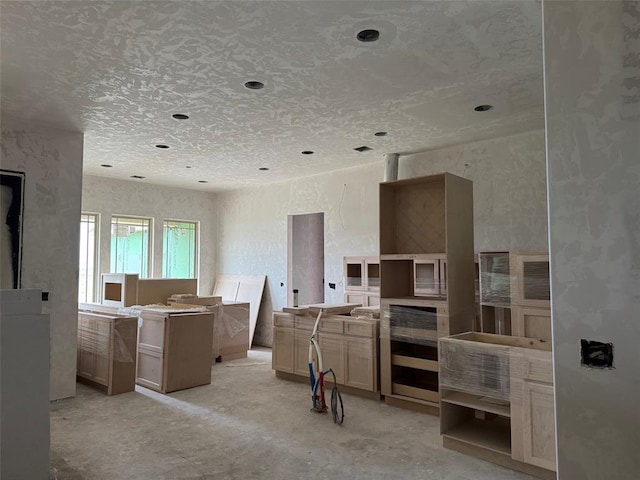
{"x":248,"y":424}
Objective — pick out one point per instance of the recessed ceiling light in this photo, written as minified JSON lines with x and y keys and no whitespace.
{"x":162,"y":146}
{"x":254,"y":85}
{"x":137,"y":176}
{"x":202,"y":181}
{"x":264,"y":169}
{"x":364,"y":148}
{"x":106,"y":165}
{"x":307,"y":152}
{"x":188,"y":166}
{"x":380,"y":134}
{"x":483,"y":108}
{"x":368,"y":35}
{"x":180,"y":116}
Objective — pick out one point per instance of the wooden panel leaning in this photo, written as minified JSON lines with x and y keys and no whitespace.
{"x":107,"y":351}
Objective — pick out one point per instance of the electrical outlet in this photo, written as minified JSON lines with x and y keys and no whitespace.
{"x":596,"y":354}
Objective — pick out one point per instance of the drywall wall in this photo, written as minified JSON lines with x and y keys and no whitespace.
{"x":593,"y":124}
{"x":52,"y":162}
{"x":253,"y":230}
{"x":108,"y":196}
{"x":509,"y":209}
{"x":509,"y":187}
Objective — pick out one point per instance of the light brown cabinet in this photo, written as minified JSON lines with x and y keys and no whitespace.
{"x":497,"y":400}
{"x":514,"y":294}
{"x":532,"y":404}
{"x":362,"y":280}
{"x":531,"y":322}
{"x":283,"y":350}
{"x":427,"y":287}
{"x":174,"y":350}
{"x":106,"y":352}
{"x":349,"y":347}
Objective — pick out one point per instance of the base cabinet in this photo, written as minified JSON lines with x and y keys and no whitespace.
{"x":106,"y":351}
{"x":498,"y":400}
{"x":283,"y":349}
{"x":349,"y":347}
{"x":532,"y":407}
{"x":174,"y":350}
{"x":360,"y":359}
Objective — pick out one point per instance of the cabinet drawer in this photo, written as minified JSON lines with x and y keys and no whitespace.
{"x":359,"y":329}
{"x":304,"y":322}
{"x":283,"y":320}
{"x":331,"y":325}
{"x":538,"y":368}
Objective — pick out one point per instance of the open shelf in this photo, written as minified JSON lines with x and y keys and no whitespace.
{"x":478,"y":402}
{"x":494,"y":434}
{"x":407,"y":388}
{"x":414,"y":362}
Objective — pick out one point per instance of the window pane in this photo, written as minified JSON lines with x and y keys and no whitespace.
{"x":180,"y":249}
{"x":130,"y":245}
{"x":88,"y":258}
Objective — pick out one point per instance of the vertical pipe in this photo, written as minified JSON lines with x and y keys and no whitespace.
{"x":391,"y":167}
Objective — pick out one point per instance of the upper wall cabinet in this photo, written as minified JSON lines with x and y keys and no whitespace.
{"x":362,"y":280}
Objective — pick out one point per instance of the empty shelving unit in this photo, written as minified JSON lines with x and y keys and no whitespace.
{"x":426,"y":282}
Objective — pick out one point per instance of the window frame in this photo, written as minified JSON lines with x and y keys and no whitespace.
{"x":196,"y":256}
{"x":96,"y":256}
{"x":149,"y":273}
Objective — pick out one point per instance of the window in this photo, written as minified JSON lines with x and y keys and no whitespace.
{"x":88,"y":257}
{"x":180,"y":242}
{"x":130,"y":245}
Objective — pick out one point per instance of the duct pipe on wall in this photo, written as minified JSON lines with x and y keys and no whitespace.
{"x":391,"y":167}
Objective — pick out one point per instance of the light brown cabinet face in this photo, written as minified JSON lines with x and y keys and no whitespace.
{"x":359,"y":363}
{"x":539,"y":425}
{"x":94,"y":346}
{"x":282,"y":358}
{"x":349,"y":347}
{"x":332,"y":355}
{"x":532,"y":322}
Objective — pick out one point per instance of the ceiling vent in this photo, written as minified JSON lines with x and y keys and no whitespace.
{"x":364,"y":148}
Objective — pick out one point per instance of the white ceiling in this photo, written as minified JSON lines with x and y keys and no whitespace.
{"x":117,"y":70}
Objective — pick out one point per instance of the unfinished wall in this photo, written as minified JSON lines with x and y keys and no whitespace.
{"x":509,"y":197}
{"x":52,"y":162}
{"x":509,"y":187}
{"x":593,"y":119}
{"x":108,"y":196}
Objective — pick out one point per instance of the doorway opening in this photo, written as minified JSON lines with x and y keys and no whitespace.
{"x":305,"y":258}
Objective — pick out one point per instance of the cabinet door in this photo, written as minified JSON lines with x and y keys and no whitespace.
{"x":532,"y":322}
{"x":86,"y":348}
{"x":354,"y":273}
{"x":360,"y":365}
{"x":332,"y":355}
{"x":282,"y":358}
{"x":301,"y":352}
{"x":150,"y":366}
{"x":102,"y":352}
{"x":538,"y":425}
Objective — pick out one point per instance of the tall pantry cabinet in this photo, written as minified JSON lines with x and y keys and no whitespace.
{"x":427,"y":286}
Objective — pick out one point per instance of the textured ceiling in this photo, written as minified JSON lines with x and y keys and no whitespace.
{"x":118,"y":70}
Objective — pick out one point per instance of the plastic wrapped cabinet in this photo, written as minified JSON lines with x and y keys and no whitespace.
{"x":107,"y":351}
{"x":174,"y":350}
{"x":497,"y":400}
{"x":427,"y":287}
